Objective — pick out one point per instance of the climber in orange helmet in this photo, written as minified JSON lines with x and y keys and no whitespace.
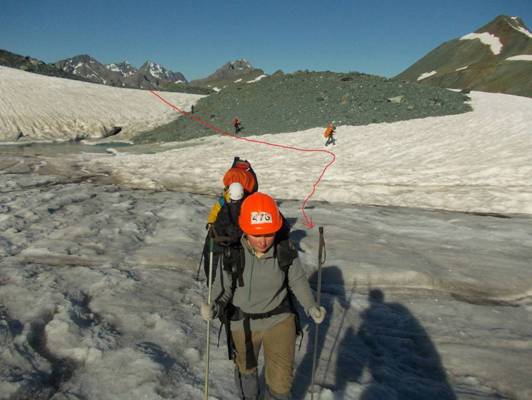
{"x":255,"y":299}
{"x":329,"y":134}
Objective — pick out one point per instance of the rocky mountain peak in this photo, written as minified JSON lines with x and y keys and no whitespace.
{"x":238,"y":65}
{"x":149,"y":76}
{"x":496,"y":57}
{"x":27,"y":63}
{"x":152,"y":70}
{"x":83,"y":58}
{"x":503,"y":23}
{"x":233,"y":68}
{"x":507,"y":29}
{"x":518,"y":24}
{"x":124,"y":68}
{"x":232,"y":71}
{"x":85,"y":66}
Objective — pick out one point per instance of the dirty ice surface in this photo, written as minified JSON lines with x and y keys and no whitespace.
{"x":98,"y":297}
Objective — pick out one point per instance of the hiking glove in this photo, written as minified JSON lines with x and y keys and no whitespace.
{"x":208,"y":312}
{"x":317,"y":314}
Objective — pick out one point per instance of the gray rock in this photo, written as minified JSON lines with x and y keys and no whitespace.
{"x":396,"y":99}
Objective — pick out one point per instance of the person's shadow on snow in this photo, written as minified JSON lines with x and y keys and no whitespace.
{"x":392,"y":355}
{"x":333,"y":288}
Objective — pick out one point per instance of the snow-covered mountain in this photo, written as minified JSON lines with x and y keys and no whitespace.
{"x":153,"y":76}
{"x":88,"y":67}
{"x":149,"y":76}
{"x":124,"y":68}
{"x":497,"y":57}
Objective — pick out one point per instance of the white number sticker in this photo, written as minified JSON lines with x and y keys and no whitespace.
{"x":261,"y":218}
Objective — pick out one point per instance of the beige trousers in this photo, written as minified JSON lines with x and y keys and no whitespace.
{"x":279,"y":347}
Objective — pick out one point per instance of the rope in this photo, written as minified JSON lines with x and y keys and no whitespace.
{"x":308,"y":220}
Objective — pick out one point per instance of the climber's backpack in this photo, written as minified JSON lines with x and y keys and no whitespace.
{"x":246,"y":166}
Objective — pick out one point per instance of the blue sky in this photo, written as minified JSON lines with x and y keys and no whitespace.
{"x":196,"y":37}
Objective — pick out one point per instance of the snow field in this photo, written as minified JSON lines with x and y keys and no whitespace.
{"x":43,"y":107}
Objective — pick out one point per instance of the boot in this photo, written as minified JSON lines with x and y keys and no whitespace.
{"x":247,"y":384}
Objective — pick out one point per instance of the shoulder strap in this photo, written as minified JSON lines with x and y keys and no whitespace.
{"x":286,"y":253}
{"x":234,"y":261}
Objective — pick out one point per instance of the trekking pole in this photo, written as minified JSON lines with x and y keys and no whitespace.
{"x":321,"y":261}
{"x":199,"y":267}
{"x":207,"y":354}
{"x":202,"y":255}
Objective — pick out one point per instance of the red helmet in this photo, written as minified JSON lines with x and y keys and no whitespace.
{"x":259,"y":215}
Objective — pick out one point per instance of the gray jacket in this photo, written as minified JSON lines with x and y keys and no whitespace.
{"x":263,"y":288}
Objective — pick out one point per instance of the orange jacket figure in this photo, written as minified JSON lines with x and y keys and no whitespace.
{"x":329,"y":130}
{"x":328,"y":134}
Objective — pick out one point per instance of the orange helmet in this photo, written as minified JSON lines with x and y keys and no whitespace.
{"x":245,"y":178}
{"x":259,"y":215}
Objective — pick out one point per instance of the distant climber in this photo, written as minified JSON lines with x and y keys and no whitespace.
{"x":329,"y":134}
{"x":237,"y":125}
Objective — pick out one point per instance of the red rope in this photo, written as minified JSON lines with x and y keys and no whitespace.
{"x":308,"y":220}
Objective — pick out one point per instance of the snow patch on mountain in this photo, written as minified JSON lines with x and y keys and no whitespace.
{"x":520,"y":28}
{"x":525,"y":31}
{"x":258,"y":78}
{"x":425,"y":75}
{"x":486,"y":38}
{"x":113,"y":67}
{"x":156,"y":70}
{"x":521,"y":57}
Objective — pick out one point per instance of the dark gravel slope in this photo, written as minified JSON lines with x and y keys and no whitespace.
{"x":302,"y":100}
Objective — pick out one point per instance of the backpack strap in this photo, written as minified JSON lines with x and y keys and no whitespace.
{"x":286,"y":253}
{"x":234,"y":261}
{"x":282,"y":308}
